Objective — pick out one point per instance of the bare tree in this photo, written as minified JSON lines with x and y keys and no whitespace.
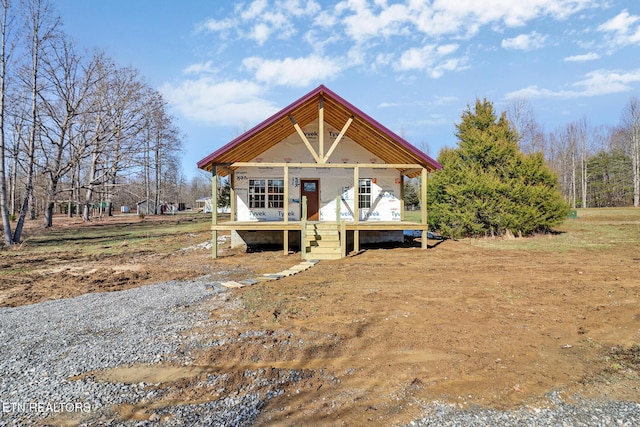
{"x":69,"y":83}
{"x":96,"y":133}
{"x":522,"y":118}
{"x":162,"y":142}
{"x":631,"y":129}
{"x":582,"y":132}
{"x":42,"y":27}
{"x":4,"y":208}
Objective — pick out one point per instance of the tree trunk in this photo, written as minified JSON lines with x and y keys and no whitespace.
{"x":48,"y":211}
{"x":158,"y":175}
{"x":635,"y":160}
{"x":86,"y":213}
{"x":42,"y":27}
{"x":4,"y":210}
{"x":31,"y":149}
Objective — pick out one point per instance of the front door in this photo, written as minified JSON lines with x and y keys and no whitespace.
{"x":311,"y":189}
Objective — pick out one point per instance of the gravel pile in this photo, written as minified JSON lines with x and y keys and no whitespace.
{"x":45,"y":345}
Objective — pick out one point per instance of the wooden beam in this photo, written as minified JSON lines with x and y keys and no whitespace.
{"x":328,"y":165}
{"x":286,"y":194}
{"x":305,"y":140}
{"x":303,"y":227}
{"x":401,"y":197}
{"x":337,"y":141}
{"x":214,"y":212}
{"x":321,"y":130}
{"x":423,"y":207}
{"x":285,"y":238}
{"x":356,"y":207}
{"x":343,"y":238}
{"x":232,"y":196}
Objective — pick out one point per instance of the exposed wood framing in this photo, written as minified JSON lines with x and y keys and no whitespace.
{"x":285,"y":237}
{"x":338,"y":139}
{"x":423,"y":207}
{"x":214,"y":212}
{"x":321,"y":130}
{"x":232,"y":197}
{"x":305,"y":140}
{"x":401,"y":198}
{"x":356,"y":207}
{"x":403,"y":167}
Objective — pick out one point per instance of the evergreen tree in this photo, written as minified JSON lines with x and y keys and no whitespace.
{"x":487,"y":186}
{"x":610,"y":179}
{"x":411,"y":197}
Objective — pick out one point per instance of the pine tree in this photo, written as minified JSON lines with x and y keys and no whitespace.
{"x":487,"y":186}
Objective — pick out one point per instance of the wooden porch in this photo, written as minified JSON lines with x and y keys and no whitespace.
{"x":321,"y":239}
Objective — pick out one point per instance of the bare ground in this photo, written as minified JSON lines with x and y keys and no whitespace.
{"x":375,"y":335}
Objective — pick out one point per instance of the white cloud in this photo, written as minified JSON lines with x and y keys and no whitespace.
{"x":620,"y":23}
{"x":431,"y":58}
{"x":529,"y":41}
{"x":206,"y":67}
{"x":214,"y":25}
{"x":444,"y":100}
{"x":623,"y":29}
{"x":255,"y":9}
{"x":298,"y":7}
{"x":595,"y":83}
{"x":602,"y":82}
{"x":582,"y":58}
{"x":364,"y":19}
{"x":297,"y":72}
{"x":365,"y":23}
{"x":260,"y":20}
{"x":389,"y":104}
{"x":260,"y":33}
{"x":219,"y":103}
{"x":365,"y":32}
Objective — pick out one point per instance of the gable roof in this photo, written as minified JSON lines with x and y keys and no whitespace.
{"x":364,"y":130}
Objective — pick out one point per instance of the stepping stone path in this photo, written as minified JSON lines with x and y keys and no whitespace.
{"x":303,"y":266}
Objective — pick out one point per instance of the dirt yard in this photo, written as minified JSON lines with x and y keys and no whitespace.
{"x":494,"y":323}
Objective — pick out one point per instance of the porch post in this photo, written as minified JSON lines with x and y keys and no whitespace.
{"x":232,"y":196}
{"x":303,"y":227}
{"x":401,"y":197}
{"x":214,"y":211}
{"x":423,"y":207}
{"x":356,"y":208}
{"x":285,"y":237}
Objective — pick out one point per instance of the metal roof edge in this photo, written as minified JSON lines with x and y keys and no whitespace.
{"x":403,"y":142}
{"x":322,"y":89}
{"x":259,"y":127}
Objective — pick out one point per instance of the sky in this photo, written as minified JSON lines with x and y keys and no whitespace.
{"x":415,"y":66}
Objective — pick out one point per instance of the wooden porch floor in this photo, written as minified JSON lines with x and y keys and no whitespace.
{"x":297,"y":225}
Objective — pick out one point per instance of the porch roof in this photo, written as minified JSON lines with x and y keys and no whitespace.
{"x":364,"y":130}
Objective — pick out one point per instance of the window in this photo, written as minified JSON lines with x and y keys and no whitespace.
{"x":266,"y":193}
{"x":276,"y":193}
{"x":256,"y":193}
{"x":364,"y":193}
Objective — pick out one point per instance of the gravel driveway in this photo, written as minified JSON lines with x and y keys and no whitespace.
{"x":44,"y":345}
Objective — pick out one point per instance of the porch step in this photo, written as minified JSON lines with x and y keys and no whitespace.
{"x":322,"y":240}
